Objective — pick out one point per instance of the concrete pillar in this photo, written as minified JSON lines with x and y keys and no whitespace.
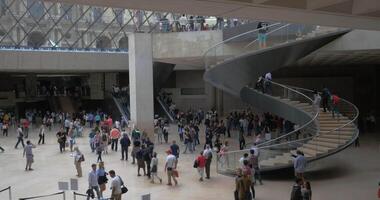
{"x":141,"y":81}
{"x":31,"y":85}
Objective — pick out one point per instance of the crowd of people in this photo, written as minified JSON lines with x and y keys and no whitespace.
{"x":185,"y":23}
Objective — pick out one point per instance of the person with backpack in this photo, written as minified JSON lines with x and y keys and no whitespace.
{"x":78,"y":159}
{"x":296,"y":193}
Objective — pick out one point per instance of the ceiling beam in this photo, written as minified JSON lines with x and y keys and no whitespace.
{"x":363,"y":7}
{"x":245,"y":10}
{"x":300,"y":4}
{"x":319,"y":4}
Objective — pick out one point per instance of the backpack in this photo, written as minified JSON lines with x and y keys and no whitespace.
{"x":104,"y":137}
{"x":139,"y":154}
{"x":81,"y":159}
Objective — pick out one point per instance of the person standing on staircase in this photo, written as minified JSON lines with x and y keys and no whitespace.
{"x":325,"y":98}
{"x":316,"y":101}
{"x":334,"y":105}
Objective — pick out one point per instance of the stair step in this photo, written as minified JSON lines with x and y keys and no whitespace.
{"x":337,"y":132}
{"x":325,"y":144}
{"x":326,"y":121}
{"x":312,"y":152}
{"x":348,"y":127}
{"x":338,"y":137}
{"x":329,"y":140}
{"x":317,"y":147}
{"x":307,"y":155}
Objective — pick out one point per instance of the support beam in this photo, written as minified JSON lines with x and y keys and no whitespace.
{"x":141,"y":81}
{"x":300,"y":4}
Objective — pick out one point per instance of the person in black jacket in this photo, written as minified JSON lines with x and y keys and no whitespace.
{"x":125,"y":142}
{"x":147,"y":155}
{"x":296,"y":190}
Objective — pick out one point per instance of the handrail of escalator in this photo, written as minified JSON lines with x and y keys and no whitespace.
{"x":313,"y":119}
{"x":166,"y":109}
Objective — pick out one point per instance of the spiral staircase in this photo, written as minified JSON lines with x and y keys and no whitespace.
{"x":234,"y":65}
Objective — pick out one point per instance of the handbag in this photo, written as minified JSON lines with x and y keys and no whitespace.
{"x":175,"y":173}
{"x":195,"y":164}
{"x":123,"y":188}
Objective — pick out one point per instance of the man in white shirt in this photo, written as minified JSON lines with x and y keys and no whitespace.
{"x":93,"y":181}
{"x":183,"y":22}
{"x":208,"y":154}
{"x":170,"y":165}
{"x":115,"y":186}
{"x":117,"y":124}
{"x":241,"y":160}
{"x":267,"y":83}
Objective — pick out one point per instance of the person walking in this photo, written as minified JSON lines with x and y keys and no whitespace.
{"x":115,"y":135}
{"x":296,"y":193}
{"x":5,"y":128}
{"x":93,"y":181}
{"x":78,"y":159}
{"x":20,"y":137}
{"x":147,"y":156}
{"x":99,"y":150}
{"x":306,"y":191}
{"x":28,"y":153}
{"x":25,"y":125}
{"x":170,"y":166}
{"x":154,"y":168}
{"x":326,"y":95}
{"x":254,"y":164}
{"x":207,"y":153}
{"x":335,"y":101}
{"x":102,"y":178}
{"x":140,"y":160}
{"x":300,"y":165}
{"x":125,"y":142}
{"x":41,"y":134}
{"x":243,"y":186}
{"x":61,"y":135}
{"x":136,"y":147}
{"x":116,"y":184}
{"x":201,"y":163}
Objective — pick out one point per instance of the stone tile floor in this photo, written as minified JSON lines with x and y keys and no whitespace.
{"x":350,"y":174}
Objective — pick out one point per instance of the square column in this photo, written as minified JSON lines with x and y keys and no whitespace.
{"x":141,"y":81}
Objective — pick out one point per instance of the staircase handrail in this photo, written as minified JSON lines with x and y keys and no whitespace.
{"x":165,"y":107}
{"x":313,"y":119}
{"x":355,"y":108}
{"x":233,"y":38}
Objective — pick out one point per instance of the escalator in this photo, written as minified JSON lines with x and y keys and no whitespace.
{"x":318,"y":134}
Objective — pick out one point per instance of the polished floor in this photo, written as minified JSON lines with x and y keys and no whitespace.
{"x":351,"y":174}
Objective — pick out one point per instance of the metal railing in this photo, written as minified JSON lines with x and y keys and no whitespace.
{"x":283,"y":143}
{"x":263,"y":38}
{"x":9,"y":188}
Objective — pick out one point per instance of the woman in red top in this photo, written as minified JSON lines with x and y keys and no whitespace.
{"x":201,"y":161}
